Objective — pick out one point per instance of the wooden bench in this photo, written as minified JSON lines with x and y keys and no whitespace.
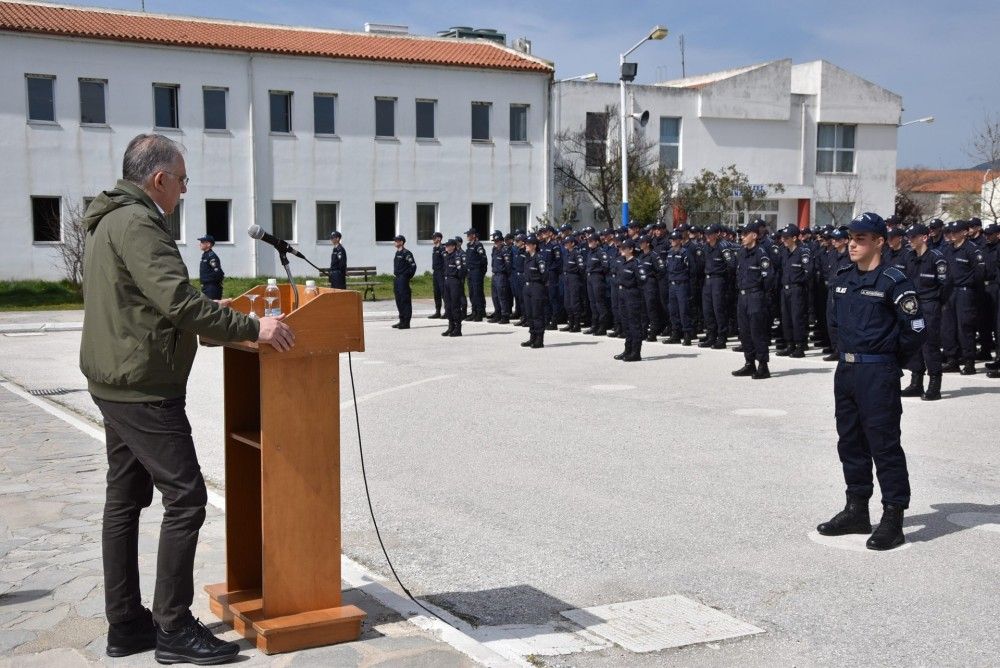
{"x":363,"y":280}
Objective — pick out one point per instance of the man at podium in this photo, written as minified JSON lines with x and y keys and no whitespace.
{"x":141,"y":318}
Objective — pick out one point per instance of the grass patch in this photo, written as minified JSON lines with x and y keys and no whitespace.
{"x":422,"y":285}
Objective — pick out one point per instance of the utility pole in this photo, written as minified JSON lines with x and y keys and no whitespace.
{"x":683,"y":68}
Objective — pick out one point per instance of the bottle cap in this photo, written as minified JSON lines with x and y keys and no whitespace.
{"x":272,"y":281}
{"x":310,"y":283}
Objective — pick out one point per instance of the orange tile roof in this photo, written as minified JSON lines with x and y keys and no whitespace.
{"x":213,"y":34}
{"x":940,"y":180}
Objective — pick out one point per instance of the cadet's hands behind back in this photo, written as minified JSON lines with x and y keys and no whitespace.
{"x":276,"y":333}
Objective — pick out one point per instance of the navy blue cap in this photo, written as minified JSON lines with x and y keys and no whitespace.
{"x":471,"y":230}
{"x":509,"y":236}
{"x":565,"y":227}
{"x":531,"y":239}
{"x":698,"y":229}
{"x":497,"y":234}
{"x":714,"y":228}
{"x":683,"y":227}
{"x":594,"y":237}
{"x":871,"y":223}
{"x":895,"y":232}
{"x":437,"y":235}
{"x":520,"y":236}
{"x":677,"y":234}
{"x":450,"y":242}
{"x":960,"y":225}
{"x":790,"y":231}
{"x":208,"y":237}
{"x":991,"y":228}
{"x":838,"y":234}
{"x":628,"y":243}
{"x":336,"y":234}
{"x":569,"y":240}
{"x":975,"y":222}
{"x":645,"y":239}
{"x":935,"y":224}
{"x":659,"y":226}
{"x":399,"y":237}
{"x":549,"y":229}
{"x":634,"y":224}
{"x":916,"y":230}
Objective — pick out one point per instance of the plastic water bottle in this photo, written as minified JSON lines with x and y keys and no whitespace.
{"x":272,"y":299}
{"x":311,"y":290}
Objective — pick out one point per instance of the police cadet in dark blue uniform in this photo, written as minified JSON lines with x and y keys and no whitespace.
{"x":680,"y":270}
{"x":475,"y":260}
{"x":403,"y":269}
{"x":454,"y":274}
{"x":617,"y":329}
{"x":338,"y":262}
{"x":574,"y":290}
{"x":718,"y":261}
{"x":967,"y":268}
{"x":517,"y":278}
{"x":654,"y":267}
{"x":927,"y":269}
{"x":796,"y":274}
{"x":500,"y":265}
{"x":631,"y":278}
{"x":210,"y":272}
{"x":836,"y":258}
{"x":437,"y":273}
{"x":754,"y":278}
{"x":552,"y":253}
{"x":991,"y":257}
{"x":876,"y":320}
{"x":597,"y":294}
{"x":895,"y":251}
{"x":535,"y":293}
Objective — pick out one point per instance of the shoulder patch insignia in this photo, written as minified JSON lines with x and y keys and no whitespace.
{"x":765,"y":263}
{"x":909,"y":305}
{"x":918,"y":325}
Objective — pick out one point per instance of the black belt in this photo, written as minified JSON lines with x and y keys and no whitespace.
{"x":864,"y":358}
{"x":679,"y":282}
{"x":750,"y":291}
{"x":794,"y":285}
{"x":715,"y":275}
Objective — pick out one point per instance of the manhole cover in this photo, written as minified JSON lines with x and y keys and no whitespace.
{"x":659,"y":623}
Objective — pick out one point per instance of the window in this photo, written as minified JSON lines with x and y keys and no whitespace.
{"x":519,"y":217}
{"x":519,"y":122}
{"x":324,"y":114}
{"x":41,"y":97}
{"x":425,"y":119}
{"x":834,"y":213}
{"x":766,"y":210}
{"x":217,"y":219}
{"x":597,"y":139}
{"x":835,"y":148}
{"x":426,"y":221}
{"x":46,"y":219}
{"x":92,"y":101}
{"x":281,"y":111}
{"x":670,"y":142}
{"x":385,"y":221}
{"x":165,"y":105}
{"x":481,"y":215}
{"x":481,"y":121}
{"x":326,"y":220}
{"x":283,"y":220}
{"x":385,"y":117}
{"x":174,"y":222}
{"x":215,"y":108}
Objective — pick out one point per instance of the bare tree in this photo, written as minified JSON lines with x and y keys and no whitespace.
{"x":74,"y":237}
{"x":984,"y":148}
{"x":840,"y":191}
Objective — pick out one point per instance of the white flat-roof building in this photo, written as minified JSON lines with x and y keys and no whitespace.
{"x":828,"y":136}
{"x":301,"y":131}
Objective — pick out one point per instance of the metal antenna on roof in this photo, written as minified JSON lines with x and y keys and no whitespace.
{"x":683,"y":68}
{"x":143,"y":4}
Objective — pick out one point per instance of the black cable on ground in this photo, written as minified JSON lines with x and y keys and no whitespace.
{"x":371,"y":511}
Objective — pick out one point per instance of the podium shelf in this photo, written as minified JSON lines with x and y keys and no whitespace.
{"x":251,"y":438}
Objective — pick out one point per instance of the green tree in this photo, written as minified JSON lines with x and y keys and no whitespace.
{"x":718,"y":197}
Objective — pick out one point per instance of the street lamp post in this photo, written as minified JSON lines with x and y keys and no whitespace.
{"x":925,"y":119}
{"x":628,"y":74}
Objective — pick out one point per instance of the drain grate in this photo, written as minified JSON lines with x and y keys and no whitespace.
{"x":53,"y":392}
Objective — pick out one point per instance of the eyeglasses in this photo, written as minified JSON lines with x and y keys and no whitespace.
{"x":183,"y":179}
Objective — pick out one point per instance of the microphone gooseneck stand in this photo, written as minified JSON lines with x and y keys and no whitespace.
{"x":288,"y":272}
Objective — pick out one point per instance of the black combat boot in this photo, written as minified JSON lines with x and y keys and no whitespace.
{"x":447,"y":332}
{"x":396,"y":326}
{"x":131,"y":637}
{"x":505,"y":320}
{"x":933,"y":392}
{"x":832,"y":357}
{"x":674,"y":338}
{"x":436,"y":315}
{"x":783,"y":352}
{"x":530,"y":342}
{"x":854,"y":518}
{"x":706,"y":343}
{"x":193,"y":643}
{"x":993,"y":373}
{"x":720,"y":344}
{"x":539,"y":341}
{"x":651,"y":337}
{"x":625,"y":353}
{"x":457,"y":330}
{"x":552,"y":326}
{"x":738,"y":348}
{"x":762,"y":372}
{"x":798,"y":352}
{"x":969,"y":368}
{"x":889,"y":533}
{"x":687,"y":341}
{"x":404,"y":324}
{"x":576,"y":328}
{"x":916,"y":386}
{"x":748,"y":369}
{"x":951,"y":366}
{"x":636,"y":354}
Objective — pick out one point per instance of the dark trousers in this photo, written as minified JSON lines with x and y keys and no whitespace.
{"x":616,"y":309}
{"x":991,"y":301}
{"x":535,"y":305}
{"x":338,"y":279}
{"x":958,"y":326}
{"x":501,"y":295}
{"x":598,"y":296}
{"x":555,"y":311}
{"x":573,"y":297}
{"x":632,"y":307}
{"x":928,"y":358}
{"x":438,"y":281}
{"x":212,"y":290}
{"x":754,"y":321}
{"x":517,"y":292}
{"x":713,"y":308}
{"x":680,"y":314}
{"x":477,"y":294}
{"x":401,"y":289}
{"x":795,"y":314}
{"x":868,"y":411}
{"x":654,"y":313}
{"x":453,"y":309}
{"x":150,"y":444}
{"x":663,"y":287}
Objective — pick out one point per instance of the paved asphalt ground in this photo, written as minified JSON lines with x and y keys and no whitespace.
{"x":511,"y":484}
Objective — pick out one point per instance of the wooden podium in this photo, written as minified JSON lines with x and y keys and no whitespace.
{"x":282,"y":429}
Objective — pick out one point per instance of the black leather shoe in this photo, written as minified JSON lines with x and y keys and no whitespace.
{"x":854,"y":518}
{"x":798,"y":353}
{"x":686,"y":342}
{"x":762,"y":372}
{"x":403,"y":325}
{"x":969,"y":369}
{"x":527,"y":344}
{"x":951,"y":367}
{"x":889,"y":533}
{"x":456,"y":332}
{"x":719,"y":345}
{"x":993,"y":373}
{"x":193,"y":643}
{"x":131,"y":637}
{"x":706,"y":344}
{"x":738,"y":348}
{"x":747,"y":369}
{"x":446,"y":332}
{"x":832,"y":357}
{"x":552,"y":327}
{"x":651,"y":338}
{"x":916,"y":386}
{"x":396,"y":326}
{"x":434,"y":316}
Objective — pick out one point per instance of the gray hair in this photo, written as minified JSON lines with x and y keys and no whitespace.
{"x":148,"y":154}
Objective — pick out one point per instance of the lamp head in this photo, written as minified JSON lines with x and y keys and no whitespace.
{"x":658,"y":32}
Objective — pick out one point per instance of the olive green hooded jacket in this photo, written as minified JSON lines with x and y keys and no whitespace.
{"x":141,"y":313}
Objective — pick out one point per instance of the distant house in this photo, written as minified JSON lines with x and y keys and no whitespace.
{"x":948,"y":194}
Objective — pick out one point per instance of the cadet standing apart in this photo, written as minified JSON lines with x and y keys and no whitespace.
{"x":403,"y":269}
{"x":210,"y":271}
{"x":437,"y":273}
{"x":338,"y":262}
{"x":475,"y":261}
{"x":535,"y":293}
{"x":754,"y":278}
{"x":876,"y":322}
{"x":454,"y":278}
{"x":631,"y":279}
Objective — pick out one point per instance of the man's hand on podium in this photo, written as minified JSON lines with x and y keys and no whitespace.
{"x":277,"y":333}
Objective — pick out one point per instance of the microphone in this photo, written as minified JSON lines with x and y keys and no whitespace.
{"x":257,"y":232}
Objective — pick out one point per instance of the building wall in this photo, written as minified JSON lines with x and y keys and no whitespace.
{"x":250,"y":166}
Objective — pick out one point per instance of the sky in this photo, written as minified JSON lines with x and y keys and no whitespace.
{"x":934,"y":54}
